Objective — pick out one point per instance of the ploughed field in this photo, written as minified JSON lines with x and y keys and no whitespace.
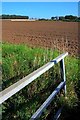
{"x":56,"y":35}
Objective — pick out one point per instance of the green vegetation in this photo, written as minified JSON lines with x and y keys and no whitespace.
{"x":22,"y":60}
{"x":19,"y":61}
{"x":68,"y":18}
{"x":13,"y":17}
{"x":0,"y":53}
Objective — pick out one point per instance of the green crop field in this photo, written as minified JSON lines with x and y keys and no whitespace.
{"x":20,"y":60}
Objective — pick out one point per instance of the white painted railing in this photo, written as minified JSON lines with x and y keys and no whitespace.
{"x":8,"y":92}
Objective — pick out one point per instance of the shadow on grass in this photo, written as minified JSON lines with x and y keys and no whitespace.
{"x":72,"y":113}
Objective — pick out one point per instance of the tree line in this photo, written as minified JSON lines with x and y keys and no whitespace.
{"x":13,"y":17}
{"x":68,"y":18}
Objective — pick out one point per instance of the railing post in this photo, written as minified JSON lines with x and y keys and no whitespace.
{"x":62,"y":69}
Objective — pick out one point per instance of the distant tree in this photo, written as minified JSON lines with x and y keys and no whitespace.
{"x":52,"y":18}
{"x":70,"y":17}
{"x":79,"y":18}
{"x":61,"y":18}
{"x":55,"y":18}
{"x":42,"y":19}
{"x":14,"y":17}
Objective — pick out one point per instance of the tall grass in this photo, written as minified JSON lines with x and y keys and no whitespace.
{"x":0,"y":65}
{"x":0,"y":53}
{"x":19,"y":61}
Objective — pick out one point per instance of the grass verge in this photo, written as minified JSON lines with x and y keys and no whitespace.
{"x":19,"y":61}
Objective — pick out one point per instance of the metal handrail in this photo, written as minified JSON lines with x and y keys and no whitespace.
{"x":13,"y":89}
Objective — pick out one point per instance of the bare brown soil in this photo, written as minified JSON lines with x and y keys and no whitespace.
{"x":59,"y":35}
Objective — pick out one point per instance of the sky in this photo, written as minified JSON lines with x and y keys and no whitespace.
{"x":40,"y":0}
{"x":40,"y":9}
